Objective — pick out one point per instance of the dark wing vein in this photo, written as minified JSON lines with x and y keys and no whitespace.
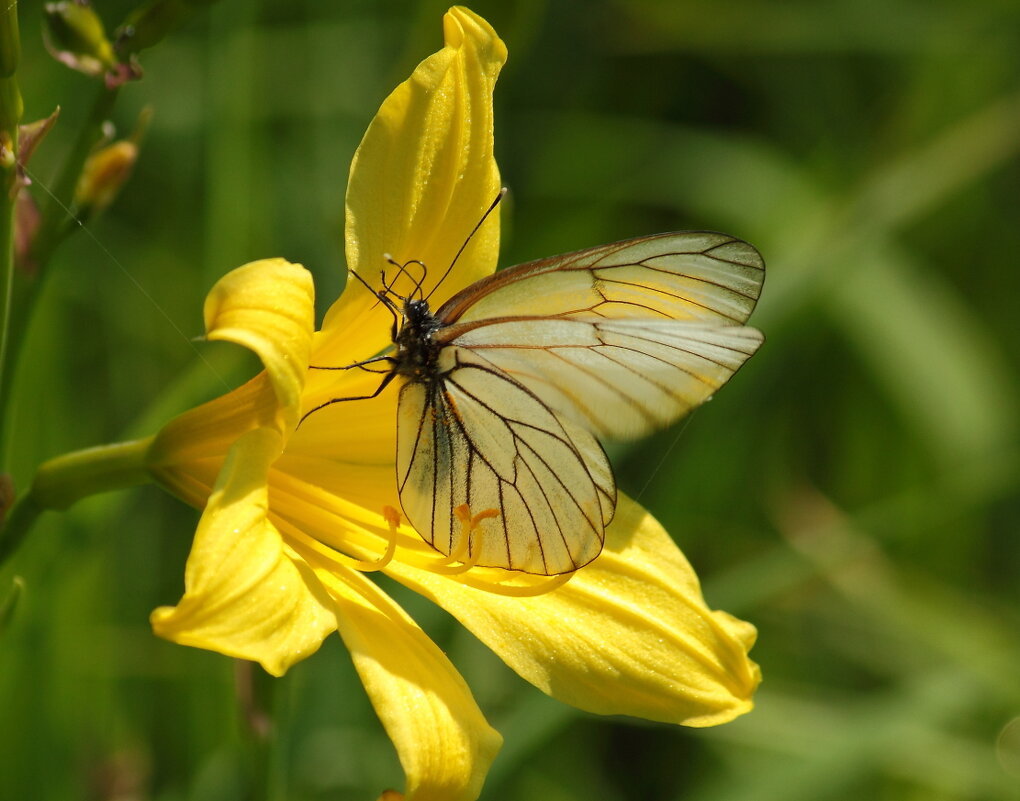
{"x":572,"y":284}
{"x":564,"y":440}
{"x":495,"y":444}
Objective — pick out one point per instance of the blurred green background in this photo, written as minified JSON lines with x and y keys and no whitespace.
{"x":854,"y":492}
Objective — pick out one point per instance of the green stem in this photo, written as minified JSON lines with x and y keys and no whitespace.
{"x":10,"y":117}
{"x":255,"y":689}
{"x":10,"y":41}
{"x":55,"y":225}
{"x":68,"y":478}
{"x":19,"y":522}
{"x":7,"y":204}
{"x":56,"y":221}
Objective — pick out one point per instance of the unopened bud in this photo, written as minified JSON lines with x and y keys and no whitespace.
{"x":75,"y":36}
{"x":103,"y":175}
{"x":149,"y":23}
{"x":108,"y":168}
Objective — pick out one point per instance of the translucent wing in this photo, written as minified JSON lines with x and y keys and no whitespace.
{"x":697,"y":276}
{"x":615,"y":340}
{"x":478,"y":437}
{"x":616,"y":378}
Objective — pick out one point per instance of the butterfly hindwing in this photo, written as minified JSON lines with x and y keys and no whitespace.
{"x":478,"y":437}
{"x":616,"y":378}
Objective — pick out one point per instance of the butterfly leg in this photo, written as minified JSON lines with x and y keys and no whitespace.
{"x":382,"y":385}
{"x":361,"y":364}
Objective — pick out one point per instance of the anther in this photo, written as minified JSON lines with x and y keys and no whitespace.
{"x":469,"y":525}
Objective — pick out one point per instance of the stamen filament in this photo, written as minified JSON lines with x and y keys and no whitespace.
{"x":330,"y":554}
{"x":469,"y":524}
{"x":392,"y":517}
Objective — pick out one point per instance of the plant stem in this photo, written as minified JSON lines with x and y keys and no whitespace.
{"x":68,"y":478}
{"x":10,"y":117}
{"x":55,"y":224}
{"x":7,"y":204}
{"x":255,"y":689}
{"x":57,"y":220}
{"x":17,"y":525}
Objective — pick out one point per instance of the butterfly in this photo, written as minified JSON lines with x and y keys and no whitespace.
{"x":506,"y":388}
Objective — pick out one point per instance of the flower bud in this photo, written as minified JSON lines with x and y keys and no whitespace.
{"x":103,"y":175}
{"x":75,"y":36}
{"x":108,"y":169}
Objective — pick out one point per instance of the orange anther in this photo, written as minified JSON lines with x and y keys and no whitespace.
{"x":391,"y":515}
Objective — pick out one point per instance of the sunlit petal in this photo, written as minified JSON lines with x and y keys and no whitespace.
{"x":444,"y":743}
{"x":245,"y":593}
{"x":420,"y":181}
{"x":629,"y":634}
{"x":268,"y":306}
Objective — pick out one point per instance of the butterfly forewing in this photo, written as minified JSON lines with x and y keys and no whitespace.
{"x":698,"y":276}
{"x":478,"y":437}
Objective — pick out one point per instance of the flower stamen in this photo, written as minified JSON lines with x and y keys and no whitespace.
{"x":469,"y":525}
{"x":392,"y":518}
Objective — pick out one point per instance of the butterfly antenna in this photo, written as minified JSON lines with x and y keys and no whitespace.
{"x":380,"y":295}
{"x":488,"y":211}
{"x":365,"y":283}
{"x":402,"y":270}
{"x":388,"y":285}
{"x":419,"y":284}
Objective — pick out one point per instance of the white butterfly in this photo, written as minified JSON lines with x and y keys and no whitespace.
{"x":505,"y":387}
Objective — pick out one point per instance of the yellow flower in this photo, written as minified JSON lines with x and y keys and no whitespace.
{"x":294,"y":517}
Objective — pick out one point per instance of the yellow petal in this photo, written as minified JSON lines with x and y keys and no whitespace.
{"x":187,"y":453}
{"x":444,"y":743}
{"x":629,"y":634}
{"x":352,"y":433}
{"x":268,"y":306}
{"x":420,"y":181}
{"x":245,"y":594}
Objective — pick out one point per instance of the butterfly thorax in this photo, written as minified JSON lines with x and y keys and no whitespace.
{"x":417,"y":354}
